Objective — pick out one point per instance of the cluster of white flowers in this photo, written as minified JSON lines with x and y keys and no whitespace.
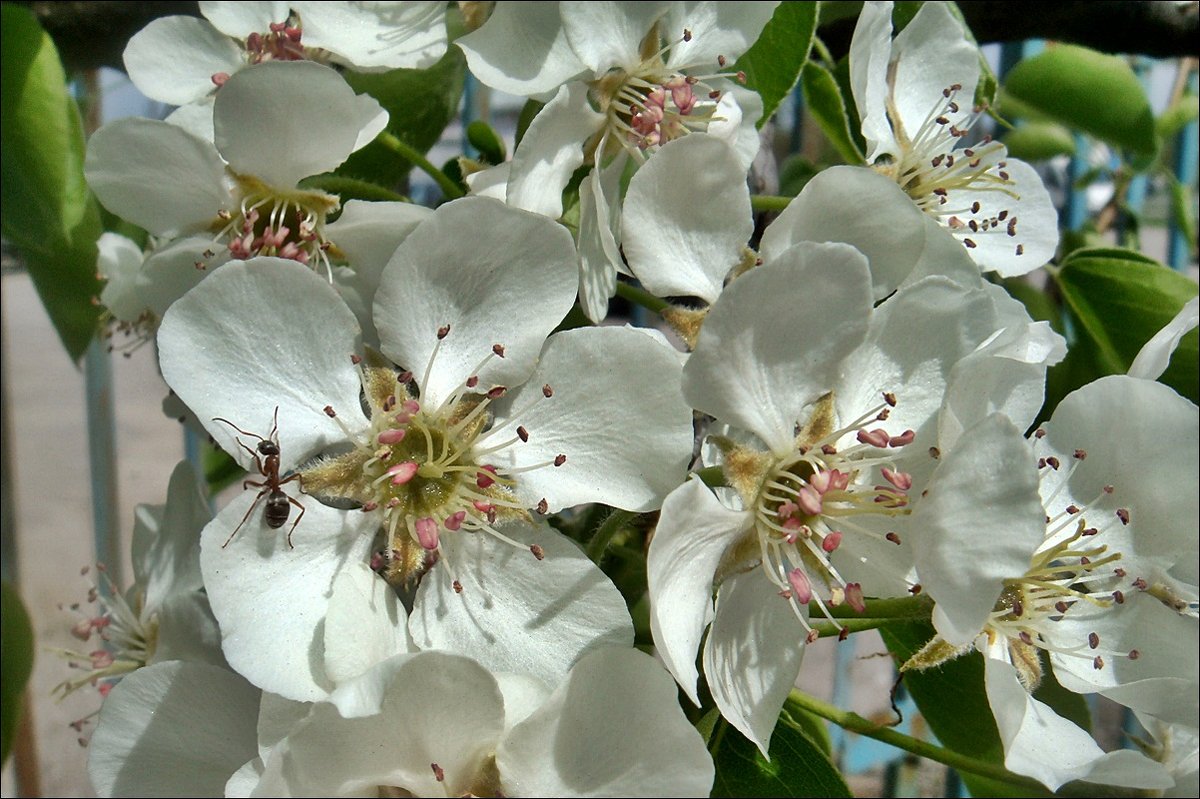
{"x":396,"y":606}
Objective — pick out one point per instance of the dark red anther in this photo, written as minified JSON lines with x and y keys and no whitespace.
{"x":522,"y":433}
{"x":547,"y":392}
{"x":889,"y":398}
{"x":1093,"y":640}
{"x":443,"y":331}
{"x":1123,"y":515}
{"x":496,"y":392}
{"x":498,"y":349}
{"x":893,"y":537}
{"x":1053,"y":463}
{"x":843,"y":634}
{"x":538,"y":552}
{"x":329,"y":411}
{"x":355,"y":359}
{"x":560,"y":459}
{"x":457,"y":587}
{"x":543,"y":506}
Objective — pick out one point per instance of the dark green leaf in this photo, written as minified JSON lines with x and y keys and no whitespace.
{"x":812,"y":725}
{"x":46,"y":209}
{"x":1089,"y":91}
{"x":798,"y":765}
{"x":953,"y":702}
{"x":420,"y":104}
{"x":773,"y":64}
{"x":1119,"y":299}
{"x":828,"y":107}
{"x":1037,"y":141}
{"x":16,"y":662}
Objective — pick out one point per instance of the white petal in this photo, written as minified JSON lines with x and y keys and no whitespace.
{"x":156,"y":175}
{"x":980,"y":524}
{"x":717,"y":28}
{"x":173,"y":59}
{"x":1029,"y":214}
{"x":866,"y":210}
{"x":516,"y":613}
{"x":870,"y":53}
{"x":599,"y":258}
{"x":119,"y":262}
{"x":522,"y":49}
{"x":609,"y":34}
{"x":261,"y":131}
{"x":368,"y":234}
{"x":377,"y":35}
{"x":693,"y":533}
{"x":494,"y":274}
{"x":930,"y":55}
{"x":171,"y":271}
{"x":195,"y":118}
{"x":1005,"y":375}
{"x":1155,"y":355}
{"x":752,"y":655}
{"x":551,"y":150}
{"x":522,"y":695}
{"x":276,"y":718}
{"x":271,"y":600}
{"x":365,"y":623}
{"x":613,"y":729}
{"x":775,"y":340}
{"x":241,"y":19}
{"x":687,"y":218}
{"x":1041,"y":744}
{"x":436,"y":709}
{"x":294,"y":356}
{"x":140,"y":747}
{"x":491,"y":182}
{"x":617,"y":414}
{"x":166,"y":538}
{"x":187,"y":630}
{"x":244,"y":780}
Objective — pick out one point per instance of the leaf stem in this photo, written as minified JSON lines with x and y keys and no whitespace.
{"x":604,"y":534}
{"x":449,"y":188}
{"x":640,"y":296}
{"x":768,"y":202}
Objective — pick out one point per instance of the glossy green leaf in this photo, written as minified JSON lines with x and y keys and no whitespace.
{"x":1088,"y":91}
{"x":799,"y":766}
{"x":46,"y":209}
{"x":1037,"y":141}
{"x":420,"y":104}
{"x":16,"y":662}
{"x":1119,"y":299}
{"x":773,"y":64}
{"x":825,"y":102}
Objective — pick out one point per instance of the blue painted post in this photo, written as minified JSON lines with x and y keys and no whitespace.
{"x":470,"y":90}
{"x":102,"y":459}
{"x":1187,"y":162}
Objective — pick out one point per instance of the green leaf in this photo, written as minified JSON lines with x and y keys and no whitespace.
{"x":1182,"y":203}
{"x":1119,"y":299}
{"x":828,"y":107}
{"x":1089,"y":91}
{"x":798,"y":765}
{"x":420,"y":104}
{"x":46,"y":209}
{"x":954,"y":704}
{"x":1172,"y":121}
{"x":1037,"y":141}
{"x":773,"y":64}
{"x":16,"y":662}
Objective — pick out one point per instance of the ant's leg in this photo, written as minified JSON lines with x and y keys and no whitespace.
{"x":275,"y":426}
{"x":292,"y":529}
{"x":253,"y":505}
{"x":250,"y":483}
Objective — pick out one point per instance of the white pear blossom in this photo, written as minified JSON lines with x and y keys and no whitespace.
{"x":833,"y":407}
{"x":915,"y":97}
{"x":621,"y":80}
{"x":436,"y":724}
{"x":1177,"y":747}
{"x":165,"y":614}
{"x":488,"y":419}
{"x":181,"y":60}
{"x":1068,"y":544}
{"x":241,"y":192}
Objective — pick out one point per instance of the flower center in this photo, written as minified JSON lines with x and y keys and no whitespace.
{"x":651,"y":103}
{"x":965,"y":190}
{"x":281,"y":42}
{"x":1072,"y":566}
{"x":277,"y":222}
{"x":810,"y":498}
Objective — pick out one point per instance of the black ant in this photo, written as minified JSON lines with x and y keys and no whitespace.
{"x":279,"y":504}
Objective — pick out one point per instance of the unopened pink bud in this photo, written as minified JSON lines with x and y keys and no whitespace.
{"x":427,"y":533}
{"x":831,"y":541}
{"x":801,"y":588}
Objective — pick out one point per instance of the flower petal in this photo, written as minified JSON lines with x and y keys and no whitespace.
{"x":775,"y":340}
{"x":551,"y":150}
{"x":511,"y":288}
{"x":364,"y":625}
{"x":617,"y":414}
{"x":870,"y":54}
{"x":165,"y":547}
{"x":613,"y":729}
{"x":261,"y":131}
{"x":375,"y":35}
{"x":752,"y":655}
{"x":979,"y":524}
{"x":271,"y":600}
{"x":717,"y":29}
{"x":609,"y":34}
{"x":156,"y":175}
{"x":173,"y":59}
{"x":599,"y":258}
{"x":136,"y":749}
{"x":517,"y":613}
{"x":693,"y":534}
{"x":1152,"y":359}
{"x":241,"y":19}
{"x":687,"y":218}
{"x":1041,"y":744}
{"x":522,"y":49}
{"x":294,"y":356}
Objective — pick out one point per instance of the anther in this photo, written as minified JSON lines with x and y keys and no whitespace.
{"x":543,"y":506}
{"x":1072,"y":509}
{"x":915,"y":589}
{"x":457,"y":587}
{"x":329,"y":411}
{"x":1123,"y":515}
{"x":355,"y":359}
{"x":1026,"y":638}
{"x":812,"y":636}
{"x":538,"y":552}
{"x":1039,"y":433}
{"x":935,"y":453}
{"x":904,"y":438}
{"x":893,"y":537}
{"x":427,"y":533}
{"x":1061,"y":606}
{"x":522,"y":433}
{"x":1134,"y":654}
{"x":496,"y":392}
{"x":498,"y":349}
{"x":889,"y":398}
{"x":1098,"y":663}
{"x":560,"y":459}
{"x":831,"y":541}
{"x":443,"y":331}
{"x":970,"y":244}
{"x":547,"y":392}
{"x":843,"y":634}
{"x":854,"y":597}
{"x":1053,"y":463}
{"x":1093,"y":640}
{"x":438,"y":773}
{"x":1118,"y":597}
